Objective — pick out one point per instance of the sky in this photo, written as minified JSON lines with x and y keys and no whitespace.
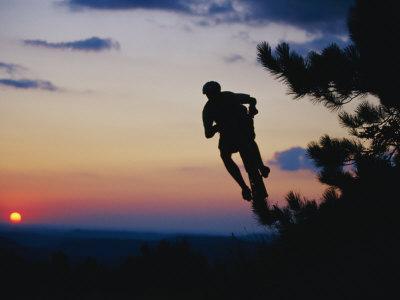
{"x":100,"y":109}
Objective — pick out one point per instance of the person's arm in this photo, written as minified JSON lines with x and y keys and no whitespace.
{"x":246,"y":99}
{"x":209,"y":129}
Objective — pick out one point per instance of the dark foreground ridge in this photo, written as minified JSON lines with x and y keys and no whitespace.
{"x":317,"y":262}
{"x":94,"y":264}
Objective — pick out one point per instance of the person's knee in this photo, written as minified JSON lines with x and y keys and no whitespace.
{"x":227,"y":160}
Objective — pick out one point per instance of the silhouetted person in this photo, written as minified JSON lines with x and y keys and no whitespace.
{"x":225,"y":113}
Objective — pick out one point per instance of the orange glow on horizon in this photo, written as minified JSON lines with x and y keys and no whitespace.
{"x":15,"y":217}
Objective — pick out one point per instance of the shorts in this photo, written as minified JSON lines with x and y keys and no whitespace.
{"x":233,"y":143}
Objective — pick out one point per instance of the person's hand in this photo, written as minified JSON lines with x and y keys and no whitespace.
{"x":215,"y":129}
{"x":253,"y":110}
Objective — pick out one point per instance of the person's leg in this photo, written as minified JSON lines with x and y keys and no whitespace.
{"x":255,"y":151}
{"x":234,"y":170}
{"x":251,"y":164}
{"x":264,"y":170}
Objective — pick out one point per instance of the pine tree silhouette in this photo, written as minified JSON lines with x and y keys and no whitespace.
{"x":351,"y":232}
{"x":334,"y":78}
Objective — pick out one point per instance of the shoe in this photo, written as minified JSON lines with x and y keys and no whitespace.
{"x":265,"y":171}
{"x":246,"y":194}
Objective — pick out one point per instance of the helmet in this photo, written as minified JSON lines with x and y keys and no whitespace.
{"x":211,"y":87}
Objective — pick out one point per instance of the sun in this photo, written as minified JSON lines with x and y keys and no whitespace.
{"x":15,"y":217}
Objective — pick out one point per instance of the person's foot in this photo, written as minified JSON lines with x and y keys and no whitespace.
{"x":264,"y":170}
{"x":246,"y":194}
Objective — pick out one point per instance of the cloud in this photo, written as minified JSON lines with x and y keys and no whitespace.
{"x":172,"y":5}
{"x":313,"y":15}
{"x":10,"y":68}
{"x":29,"y":84}
{"x":233,"y":58}
{"x":90,"y":44}
{"x":293,"y":159}
{"x":318,"y":44}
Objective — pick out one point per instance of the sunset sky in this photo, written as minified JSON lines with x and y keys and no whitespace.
{"x":100,"y":109}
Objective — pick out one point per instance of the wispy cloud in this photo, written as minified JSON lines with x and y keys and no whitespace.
{"x":233,"y":58}
{"x":293,"y":159}
{"x":95,"y":44}
{"x":26,"y":84}
{"x":11,"y":68}
{"x":173,"y":5}
{"x":318,"y":44}
{"x":313,"y":15}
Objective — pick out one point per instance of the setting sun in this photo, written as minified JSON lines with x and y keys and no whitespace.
{"x":15,"y":217}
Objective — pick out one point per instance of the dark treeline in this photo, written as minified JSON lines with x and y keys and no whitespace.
{"x":317,"y":267}
{"x":169,"y":270}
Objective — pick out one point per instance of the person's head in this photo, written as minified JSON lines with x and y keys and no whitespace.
{"x":211,"y":89}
